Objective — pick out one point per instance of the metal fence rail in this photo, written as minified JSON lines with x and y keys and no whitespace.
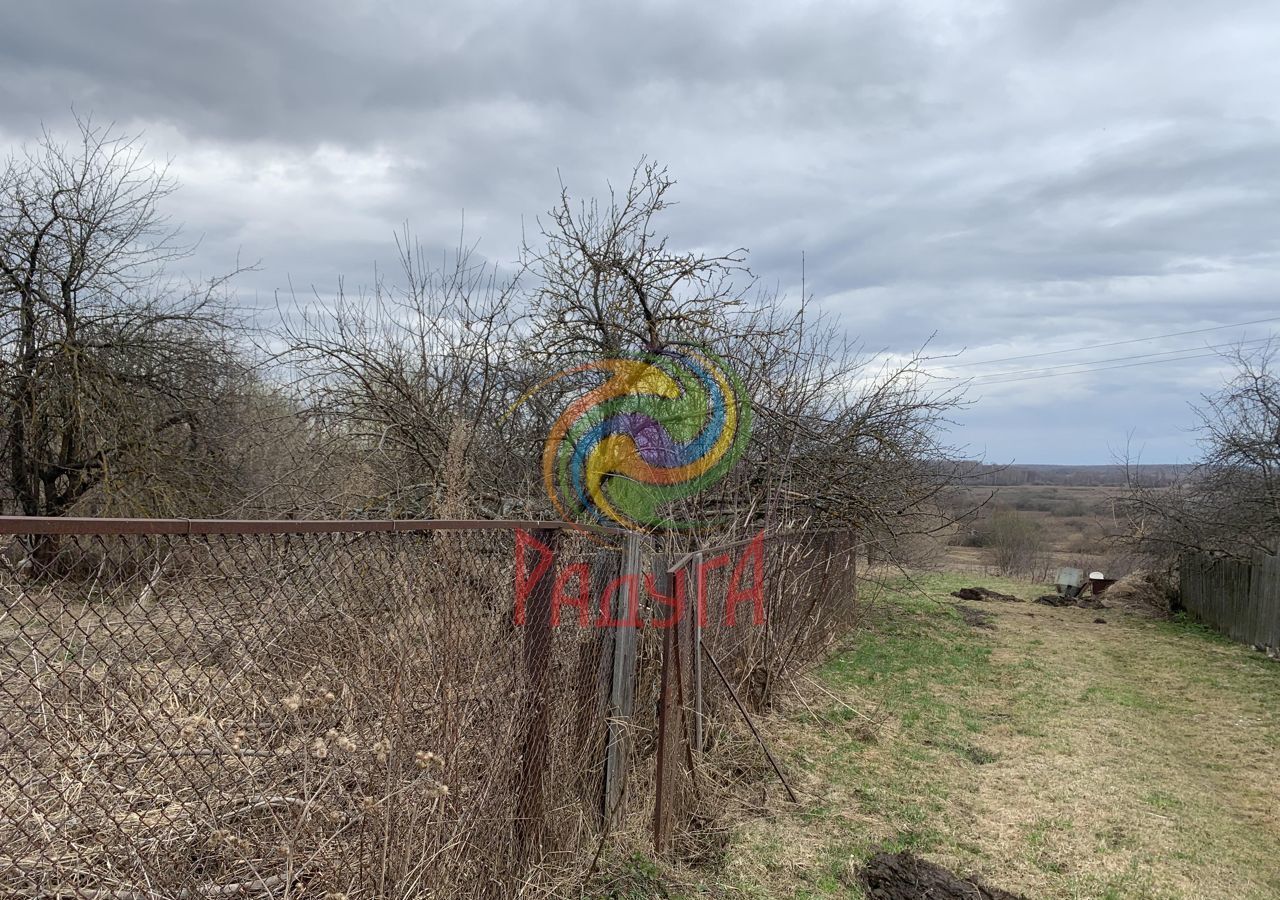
{"x":206,"y":709}
{"x":1240,"y":598}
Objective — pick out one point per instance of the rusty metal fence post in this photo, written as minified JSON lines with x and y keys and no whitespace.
{"x":622,"y":691}
{"x":668,"y":715}
{"x":695,"y":616}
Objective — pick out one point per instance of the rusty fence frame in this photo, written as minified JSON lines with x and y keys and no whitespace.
{"x":20,"y":525}
{"x":681,"y":719}
{"x":536,"y":640}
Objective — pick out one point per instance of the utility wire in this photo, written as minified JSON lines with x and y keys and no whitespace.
{"x":1153,"y":337}
{"x":982,"y":379}
{"x":1131,"y":365}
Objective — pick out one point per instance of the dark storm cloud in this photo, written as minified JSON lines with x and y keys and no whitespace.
{"x":1012,"y":176}
{"x":304,"y":72}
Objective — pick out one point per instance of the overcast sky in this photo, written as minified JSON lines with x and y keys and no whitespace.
{"x":1014,"y":178}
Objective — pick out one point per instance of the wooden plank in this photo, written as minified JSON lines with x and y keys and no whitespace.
{"x":1267,"y":589}
{"x":1273,"y":582}
{"x":622,"y":693}
{"x":1253,"y":621}
{"x":1239,"y":598}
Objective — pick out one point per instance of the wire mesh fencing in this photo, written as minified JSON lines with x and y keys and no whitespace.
{"x":356,"y":712}
{"x":374,"y":710}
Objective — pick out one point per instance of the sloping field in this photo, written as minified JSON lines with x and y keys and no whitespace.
{"x":1048,"y":754}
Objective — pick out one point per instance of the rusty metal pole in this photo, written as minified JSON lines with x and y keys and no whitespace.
{"x":696,"y":618}
{"x":664,"y":586}
{"x":746,"y":717}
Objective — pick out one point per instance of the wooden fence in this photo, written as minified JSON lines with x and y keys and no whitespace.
{"x":1240,"y":598}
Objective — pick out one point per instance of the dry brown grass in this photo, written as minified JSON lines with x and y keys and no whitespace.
{"x":353,"y":715}
{"x":340,"y":715}
{"x":1080,"y":526}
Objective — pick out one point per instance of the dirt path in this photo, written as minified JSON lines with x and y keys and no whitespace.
{"x":1051,"y":755}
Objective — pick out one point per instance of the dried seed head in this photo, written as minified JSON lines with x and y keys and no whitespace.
{"x":193,"y":724}
{"x":382,"y":748}
{"x":232,"y":841}
{"x":292,"y":702}
{"x":319,"y":749}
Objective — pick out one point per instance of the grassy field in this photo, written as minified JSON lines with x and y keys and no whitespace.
{"x":1050,"y":755}
{"x":1077,"y":523}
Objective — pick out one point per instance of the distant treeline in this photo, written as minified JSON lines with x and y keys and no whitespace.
{"x":1080,"y":476}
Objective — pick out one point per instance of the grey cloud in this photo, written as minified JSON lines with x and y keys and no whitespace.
{"x":1000,"y":173}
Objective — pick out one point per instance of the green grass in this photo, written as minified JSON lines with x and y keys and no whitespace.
{"x":1053,"y":756}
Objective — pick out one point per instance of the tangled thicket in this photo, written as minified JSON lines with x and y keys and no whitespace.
{"x":128,"y":394}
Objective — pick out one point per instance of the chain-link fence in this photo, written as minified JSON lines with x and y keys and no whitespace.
{"x":362,"y":709}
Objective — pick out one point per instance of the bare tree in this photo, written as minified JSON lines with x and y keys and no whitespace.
{"x":418,"y":375}
{"x":409,"y":383}
{"x":610,"y":283}
{"x":839,"y":438}
{"x":1229,"y":502}
{"x":844,"y":437}
{"x":102,"y":361}
{"x":1016,"y":544}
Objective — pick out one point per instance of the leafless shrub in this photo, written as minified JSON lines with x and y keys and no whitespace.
{"x":841,"y":438}
{"x":1016,"y":544}
{"x":1229,"y":502}
{"x":410,"y":375}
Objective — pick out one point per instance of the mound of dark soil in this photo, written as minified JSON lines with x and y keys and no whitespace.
{"x":981,"y":593}
{"x":975,"y":617}
{"x":1084,"y":601}
{"x":901,"y":876}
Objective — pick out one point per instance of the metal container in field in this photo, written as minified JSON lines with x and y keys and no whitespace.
{"x":1069,"y":581}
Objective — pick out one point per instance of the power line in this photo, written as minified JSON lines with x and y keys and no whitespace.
{"x":982,"y":379}
{"x":1153,"y":337}
{"x":1131,"y":365}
